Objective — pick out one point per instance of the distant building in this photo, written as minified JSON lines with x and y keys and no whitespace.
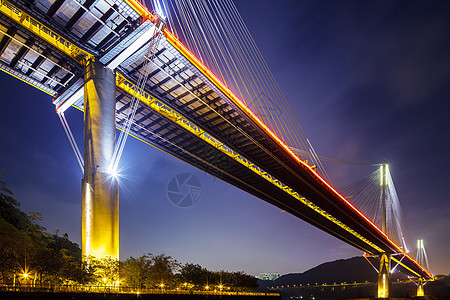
{"x":268,"y":276}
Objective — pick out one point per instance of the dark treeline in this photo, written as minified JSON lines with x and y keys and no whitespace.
{"x":30,"y":255}
{"x":161,"y":271}
{"x":26,"y":247}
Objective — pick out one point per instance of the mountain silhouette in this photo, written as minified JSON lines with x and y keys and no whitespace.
{"x":342,"y":270}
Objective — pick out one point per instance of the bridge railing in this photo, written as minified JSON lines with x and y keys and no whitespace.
{"x":59,"y":288}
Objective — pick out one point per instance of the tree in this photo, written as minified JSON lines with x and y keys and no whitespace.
{"x":134,"y":271}
{"x":25,"y":246}
{"x":11,"y":241}
{"x":105,"y":270}
{"x":194,"y":274}
{"x":14,"y":234}
{"x":161,"y":272}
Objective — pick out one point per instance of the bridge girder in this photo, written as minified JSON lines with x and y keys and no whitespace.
{"x":264,"y":150}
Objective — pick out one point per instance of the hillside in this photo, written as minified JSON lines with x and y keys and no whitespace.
{"x":343,"y":270}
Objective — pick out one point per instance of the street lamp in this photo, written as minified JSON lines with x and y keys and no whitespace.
{"x":25,"y":276}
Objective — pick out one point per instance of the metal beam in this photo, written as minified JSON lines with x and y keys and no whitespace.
{"x":137,"y":44}
{"x":169,"y":113}
{"x":43,"y":32}
{"x":71,"y":100}
{"x":6,"y":39}
{"x":54,"y":8}
{"x":152,"y":123}
{"x":139,"y":66}
{"x":157,"y":85}
{"x":105,"y":43}
{"x":80,"y":12}
{"x":53,"y":70}
{"x":38,"y":62}
{"x":96,"y":27}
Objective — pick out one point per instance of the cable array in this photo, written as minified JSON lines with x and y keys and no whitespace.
{"x":366,"y":195}
{"x":134,"y":103}
{"x":421,"y":255}
{"x":73,"y":142}
{"x":217,"y":34}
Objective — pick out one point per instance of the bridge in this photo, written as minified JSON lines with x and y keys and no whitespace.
{"x":114,"y":59}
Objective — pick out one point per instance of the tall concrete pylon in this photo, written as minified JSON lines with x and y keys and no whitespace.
{"x":384,"y":274}
{"x":100,"y":190}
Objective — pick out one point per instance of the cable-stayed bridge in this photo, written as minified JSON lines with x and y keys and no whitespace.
{"x":114,"y":59}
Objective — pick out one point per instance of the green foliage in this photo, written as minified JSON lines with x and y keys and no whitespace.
{"x":161,"y":271}
{"x":103,"y":271}
{"x":194,"y":274}
{"x":149,"y":271}
{"x":25,"y":246}
{"x":200,"y":277}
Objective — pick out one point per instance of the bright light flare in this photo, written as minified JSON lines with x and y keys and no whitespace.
{"x":113,"y":173}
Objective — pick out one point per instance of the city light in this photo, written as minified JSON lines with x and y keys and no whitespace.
{"x":25,"y":275}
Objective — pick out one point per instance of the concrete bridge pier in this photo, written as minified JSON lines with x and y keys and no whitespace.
{"x":420,"y":291}
{"x":100,"y":190}
{"x":384,"y":276}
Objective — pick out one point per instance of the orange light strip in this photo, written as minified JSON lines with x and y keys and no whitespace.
{"x":141,"y":10}
{"x":211,"y":76}
{"x":192,"y":58}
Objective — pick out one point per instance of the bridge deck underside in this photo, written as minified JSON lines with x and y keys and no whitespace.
{"x":175,"y":81}
{"x":92,"y":25}
{"x":33,"y":60}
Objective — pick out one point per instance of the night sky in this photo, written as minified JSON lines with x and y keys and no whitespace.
{"x":369,"y":82}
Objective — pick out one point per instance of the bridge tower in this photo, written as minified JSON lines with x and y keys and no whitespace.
{"x":384,"y":274}
{"x":100,"y":190}
{"x":422,"y":259}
